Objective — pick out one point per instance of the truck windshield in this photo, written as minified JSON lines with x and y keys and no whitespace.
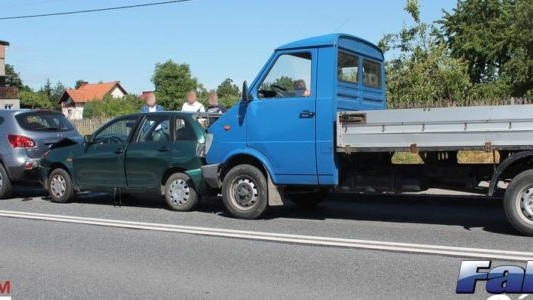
{"x":289,"y":77}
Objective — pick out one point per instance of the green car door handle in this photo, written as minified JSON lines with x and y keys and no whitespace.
{"x":119,"y":151}
{"x":164,"y":149}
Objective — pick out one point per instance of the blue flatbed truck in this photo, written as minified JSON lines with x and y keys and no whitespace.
{"x":314,"y":120}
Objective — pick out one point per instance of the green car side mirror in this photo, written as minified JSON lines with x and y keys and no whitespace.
{"x":88,"y":139}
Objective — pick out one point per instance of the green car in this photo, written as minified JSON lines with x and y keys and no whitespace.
{"x":148,"y":152}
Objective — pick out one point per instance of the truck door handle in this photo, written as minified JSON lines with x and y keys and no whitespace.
{"x":119,"y":151}
{"x":306,"y":114}
{"x":163,"y":149}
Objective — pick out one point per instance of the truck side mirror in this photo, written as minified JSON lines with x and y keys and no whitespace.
{"x":246,"y":97}
{"x":88,"y":139}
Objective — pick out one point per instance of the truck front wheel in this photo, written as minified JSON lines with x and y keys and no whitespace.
{"x":518,"y":202}
{"x":244,"y":192}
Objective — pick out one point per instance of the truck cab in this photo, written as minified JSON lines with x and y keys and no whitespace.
{"x":284,"y":126}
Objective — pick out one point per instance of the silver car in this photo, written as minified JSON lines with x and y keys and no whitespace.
{"x":25,"y":135}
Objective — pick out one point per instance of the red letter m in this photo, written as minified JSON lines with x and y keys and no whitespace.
{"x":5,"y":288}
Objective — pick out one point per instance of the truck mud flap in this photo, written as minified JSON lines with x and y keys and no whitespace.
{"x":275,"y":194}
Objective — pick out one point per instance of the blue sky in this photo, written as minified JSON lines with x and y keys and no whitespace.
{"x":217,"y":38}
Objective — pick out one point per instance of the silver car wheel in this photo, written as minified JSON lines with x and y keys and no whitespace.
{"x":244,"y":193}
{"x":1,"y":181}
{"x":58,"y":186}
{"x":179,"y":192}
{"x":524,"y":204}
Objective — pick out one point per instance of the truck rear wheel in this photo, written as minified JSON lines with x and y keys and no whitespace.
{"x":244,"y":192}
{"x":518,"y":202}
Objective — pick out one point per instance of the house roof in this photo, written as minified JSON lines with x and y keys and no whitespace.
{"x":145,"y":94}
{"x":4,"y":43}
{"x":91,"y":91}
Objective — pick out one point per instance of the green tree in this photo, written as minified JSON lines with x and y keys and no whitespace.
{"x":227,"y":89}
{"x":34,"y":100}
{"x":494,"y":37}
{"x":13,"y":79}
{"x":172,"y":82}
{"x":79,"y":83}
{"x":423,"y":70}
{"x":57,"y":91}
{"x":47,"y":88}
{"x":112,"y":107}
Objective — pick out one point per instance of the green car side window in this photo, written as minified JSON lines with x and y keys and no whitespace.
{"x":184,"y":131}
{"x":116,"y":132}
{"x":154,"y":130}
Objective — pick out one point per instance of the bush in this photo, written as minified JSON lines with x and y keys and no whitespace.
{"x":112,"y":107}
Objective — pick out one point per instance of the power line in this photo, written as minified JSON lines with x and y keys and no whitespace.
{"x":92,"y":10}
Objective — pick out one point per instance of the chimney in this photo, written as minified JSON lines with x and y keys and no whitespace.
{"x":3,"y":46}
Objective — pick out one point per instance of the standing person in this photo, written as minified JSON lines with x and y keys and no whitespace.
{"x":151,"y":104}
{"x":192,"y":105}
{"x":214,"y":106}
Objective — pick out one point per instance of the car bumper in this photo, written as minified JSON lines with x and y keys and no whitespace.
{"x":210,"y":175}
{"x":24,"y":172}
{"x":43,"y":175}
{"x":197,"y":178}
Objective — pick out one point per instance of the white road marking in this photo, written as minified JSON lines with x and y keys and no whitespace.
{"x":286,"y":238}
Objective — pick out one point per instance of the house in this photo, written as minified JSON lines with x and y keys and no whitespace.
{"x":8,"y":95}
{"x":73,"y":100}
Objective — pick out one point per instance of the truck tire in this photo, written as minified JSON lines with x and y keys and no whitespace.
{"x":244,"y":192}
{"x":6,"y":188}
{"x":518,"y":202}
{"x":59,"y":186}
{"x":308,"y":200}
{"x":180,"y":193}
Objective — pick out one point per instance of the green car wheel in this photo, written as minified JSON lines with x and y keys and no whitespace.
{"x":60,"y":186}
{"x":180,"y":193}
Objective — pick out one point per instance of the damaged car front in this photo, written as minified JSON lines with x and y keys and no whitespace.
{"x":60,"y":154}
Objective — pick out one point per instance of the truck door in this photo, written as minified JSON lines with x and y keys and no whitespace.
{"x":281,"y":118}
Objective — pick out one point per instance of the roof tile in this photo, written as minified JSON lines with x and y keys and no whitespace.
{"x":92,"y":91}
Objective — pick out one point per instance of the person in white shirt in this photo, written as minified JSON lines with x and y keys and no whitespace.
{"x":192,"y":105}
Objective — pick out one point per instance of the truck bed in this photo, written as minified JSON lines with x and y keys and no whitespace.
{"x":484,"y":128}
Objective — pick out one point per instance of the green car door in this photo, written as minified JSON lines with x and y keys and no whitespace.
{"x":149,"y":154}
{"x":101,"y":166}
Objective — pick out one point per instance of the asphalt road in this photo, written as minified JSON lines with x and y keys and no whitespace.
{"x":54,"y":251}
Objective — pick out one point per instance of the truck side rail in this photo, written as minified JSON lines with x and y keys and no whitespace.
{"x":486,"y":128}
